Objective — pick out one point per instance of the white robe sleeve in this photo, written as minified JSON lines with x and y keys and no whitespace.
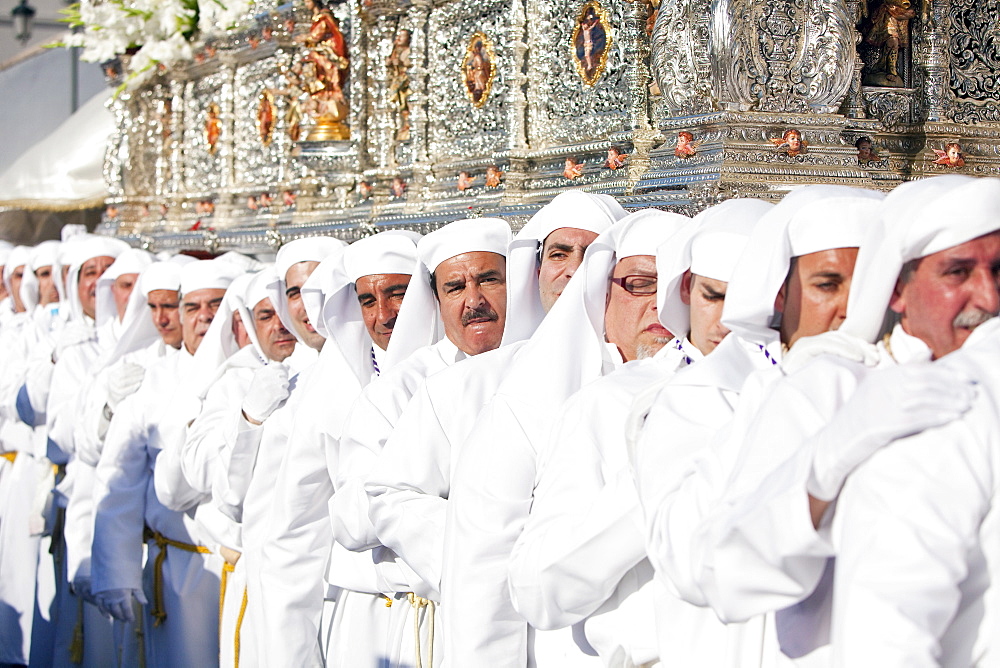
{"x":408,"y":488}
{"x":584,"y":532}
{"x":120,"y":485}
{"x":87,"y":431}
{"x":352,"y":458}
{"x":69,"y":376}
{"x":909,"y":522}
{"x":489,"y":503}
{"x":297,"y":546}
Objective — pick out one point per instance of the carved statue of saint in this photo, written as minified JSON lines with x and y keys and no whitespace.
{"x":888,"y":30}
{"x":324,"y":72}
{"x":397,"y":66}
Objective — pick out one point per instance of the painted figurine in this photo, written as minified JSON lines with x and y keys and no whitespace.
{"x":616,"y":159}
{"x":686,"y":146}
{"x":398,"y":186}
{"x":951,"y":156}
{"x":572,"y":169}
{"x":791,"y":143}
{"x":493,"y":176}
{"x":465,"y":181}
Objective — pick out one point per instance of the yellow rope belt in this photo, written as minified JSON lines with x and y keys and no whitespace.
{"x":9,"y":456}
{"x":158,"y":613}
{"x":76,"y":645}
{"x":239,"y":626}
{"x":227,"y":568}
{"x":419,"y":602}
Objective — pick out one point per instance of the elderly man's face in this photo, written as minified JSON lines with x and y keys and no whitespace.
{"x":86,"y":286}
{"x":121,"y":290}
{"x":472,"y":294}
{"x":295,"y":277}
{"x":16,"y":277}
{"x":47,"y":292}
{"x":562,"y":253}
{"x":198,"y":309}
{"x":950,"y":293}
{"x":276,"y":341}
{"x":380,"y":296}
{"x":630,"y":320}
{"x":814,"y":298}
{"x":164,"y":309}
{"x":706,"y":297}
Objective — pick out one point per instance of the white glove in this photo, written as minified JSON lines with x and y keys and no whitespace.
{"x":888,"y":405}
{"x":81,"y":588}
{"x":118,"y":603}
{"x":268,"y":389}
{"x":836,"y":343}
{"x":123,"y":380}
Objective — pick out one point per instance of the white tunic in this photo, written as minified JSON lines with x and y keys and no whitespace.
{"x":918,"y":540}
{"x":582,"y":555}
{"x":151,"y":420}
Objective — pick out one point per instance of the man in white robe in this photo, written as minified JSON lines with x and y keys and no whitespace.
{"x":811,"y":239}
{"x":461,"y":268}
{"x":412,"y":476}
{"x":582,"y":554}
{"x":938,"y":276}
{"x":354,"y":298}
{"x":917,"y":535}
{"x":596,"y":325}
{"x":181,"y":577}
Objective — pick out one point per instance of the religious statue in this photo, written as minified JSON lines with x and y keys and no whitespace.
{"x":397,"y":66}
{"x":265,"y":117}
{"x":493,"y":176}
{"x":790,"y":143}
{"x":572,"y":169}
{"x":398,"y":186}
{"x":265,"y":200}
{"x":213,"y":127}
{"x":887,"y":30}
{"x":323,"y":73}
{"x":591,"y":41}
{"x":866,"y":153}
{"x":951,"y":156}
{"x":478,"y":69}
{"x":686,"y":146}
{"x":616,"y":159}
{"x":465,"y":181}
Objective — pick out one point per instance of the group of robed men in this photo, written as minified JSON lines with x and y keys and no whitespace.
{"x":765,"y":436}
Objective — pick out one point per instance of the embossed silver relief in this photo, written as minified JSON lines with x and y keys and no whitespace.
{"x":785,"y":55}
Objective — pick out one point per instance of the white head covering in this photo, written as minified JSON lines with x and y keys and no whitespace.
{"x":72,"y":230}
{"x":808,"y":220}
{"x":573,"y":208}
{"x":219,"y":342}
{"x":78,"y":251}
{"x":331,"y":299}
{"x":42,"y":255}
{"x":131,"y":261}
{"x":710,"y":247}
{"x":208,"y":275}
{"x":919,"y":218}
{"x":138,"y":329}
{"x":419,"y":322}
{"x":310,"y":249}
{"x":569,"y":348}
{"x":241,"y":261}
{"x":18,"y":256}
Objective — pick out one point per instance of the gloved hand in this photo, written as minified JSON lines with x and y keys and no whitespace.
{"x":834,"y":342}
{"x":123,"y":380}
{"x":268,"y":389}
{"x":888,"y":405}
{"x":118,"y":603}
{"x":81,"y":588}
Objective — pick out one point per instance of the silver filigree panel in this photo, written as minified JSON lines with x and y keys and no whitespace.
{"x":975,"y":49}
{"x":456,"y":127}
{"x":203,"y":167}
{"x":256,"y":163}
{"x":561,"y":108}
{"x":146,"y":161}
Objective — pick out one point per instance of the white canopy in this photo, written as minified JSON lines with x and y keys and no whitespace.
{"x":65,"y":170}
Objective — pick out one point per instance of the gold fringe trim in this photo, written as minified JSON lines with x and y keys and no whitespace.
{"x":51,"y":205}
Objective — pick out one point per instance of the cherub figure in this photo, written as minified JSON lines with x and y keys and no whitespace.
{"x":465,"y":181}
{"x":616,"y":159}
{"x":493,"y":176}
{"x":866,"y":153}
{"x":686,"y":145}
{"x":951,"y":156}
{"x":792,"y":143}
{"x":572,"y":169}
{"x":398,"y":186}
